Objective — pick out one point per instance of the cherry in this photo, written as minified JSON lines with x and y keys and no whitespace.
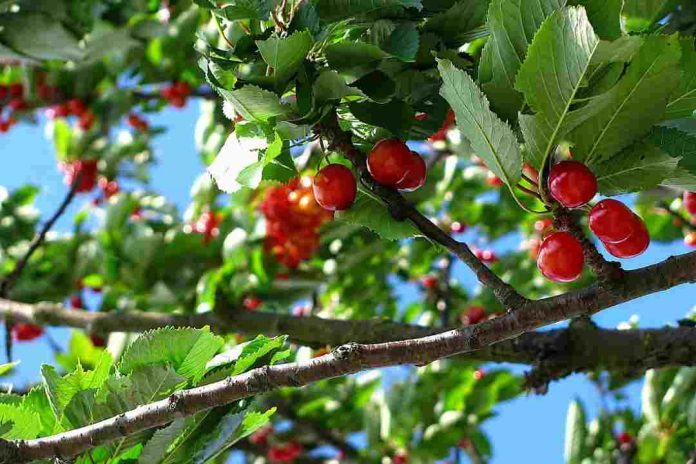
{"x":335,"y":187}
{"x":86,"y":120}
{"x":389,"y":162}
{"x":690,"y":202}
{"x":560,"y":257}
{"x":97,"y":341}
{"x":572,"y":184}
{"x":441,"y":134}
{"x":612,"y":221}
{"x":61,"y":111}
{"x":260,"y":437}
{"x":634,"y":245}
{"x":624,"y":438}
{"x":76,"y":106}
{"x":137,"y":213}
{"x":400,"y":458}
{"x":108,"y":187}
{"x":4,"y":91}
{"x":531,"y":172}
{"x":479,"y":374}
{"x":16,"y":90}
{"x":17,"y":104}
{"x":542,"y":224}
{"x":26,"y":332}
{"x":475,"y":314}
{"x":534,"y":245}
{"x":284,"y":453}
{"x":76,"y":302}
{"x":492,"y":180}
{"x":252,"y":303}
{"x":690,"y":239}
{"x":429,"y":282}
{"x":4,"y":125}
{"x":138,"y":123}
{"x":87,"y":172}
{"x":457,"y":227}
{"x":486,"y":256}
{"x":415,"y":178}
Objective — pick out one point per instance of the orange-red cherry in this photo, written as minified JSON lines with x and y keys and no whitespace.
{"x":572,"y":184}
{"x":634,"y":245}
{"x":335,"y":187}
{"x":415,"y":178}
{"x":612,"y":221}
{"x":389,"y":162}
{"x":560,"y":257}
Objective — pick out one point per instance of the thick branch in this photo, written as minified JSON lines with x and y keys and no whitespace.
{"x":400,"y":208}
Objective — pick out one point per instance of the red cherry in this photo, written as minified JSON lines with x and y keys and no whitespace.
{"x":4,"y":91}
{"x":560,"y":257}
{"x":86,"y":169}
{"x":441,"y":134}
{"x":4,"y":125}
{"x":634,"y":245}
{"x":108,"y":187}
{"x":401,"y":458}
{"x":690,"y":239}
{"x":252,"y":303}
{"x":17,"y":104}
{"x":76,"y":302}
{"x":389,"y":161}
{"x":542,"y":224}
{"x":182,"y":89}
{"x":421,"y":116}
{"x":61,"y":111}
{"x":138,"y":123}
{"x":260,"y":437}
{"x":492,"y":180}
{"x":415,"y":177}
{"x":335,"y":187}
{"x":572,"y":184}
{"x":457,"y":227}
{"x":16,"y":90}
{"x":137,"y":213}
{"x":531,"y":172}
{"x":429,"y":282}
{"x":690,"y":202}
{"x":612,"y":221}
{"x":86,"y":120}
{"x":45,"y":92}
{"x":97,"y":341}
{"x":76,"y":107}
{"x":26,"y":332}
{"x":624,"y":438}
{"x":475,"y":314}
{"x":479,"y":374}
{"x":177,"y":101}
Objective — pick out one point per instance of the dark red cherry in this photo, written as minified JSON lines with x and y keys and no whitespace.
{"x":612,"y":221}
{"x":560,"y":257}
{"x":389,"y":162}
{"x":572,"y":184}
{"x":334,"y":187}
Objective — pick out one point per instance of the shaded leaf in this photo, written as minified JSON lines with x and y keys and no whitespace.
{"x":370,"y":213}
{"x":639,"y":167}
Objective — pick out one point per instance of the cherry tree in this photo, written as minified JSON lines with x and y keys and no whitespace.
{"x":353,"y":150}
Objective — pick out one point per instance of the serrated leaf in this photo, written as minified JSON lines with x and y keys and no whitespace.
{"x":331,"y":86}
{"x":622,"y":118}
{"x":39,"y":36}
{"x":346,"y":55}
{"x":575,"y":433}
{"x":403,"y":42}
{"x":682,"y":102}
{"x":186,"y":349}
{"x":255,"y":103}
{"x":458,"y":20}
{"x":491,"y":138}
{"x":370,"y":213}
{"x":336,"y":10}
{"x":551,"y":88}
{"x":512,"y":25}
{"x":255,"y":350}
{"x":24,"y":424}
{"x":285,"y":55}
{"x":605,"y":16}
{"x":396,"y":115}
{"x":639,"y":167}
{"x":37,"y":401}
{"x":676,"y":143}
{"x":246,"y":9}
{"x":156,"y":447}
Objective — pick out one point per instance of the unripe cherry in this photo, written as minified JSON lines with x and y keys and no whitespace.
{"x":334,"y":187}
{"x":560,"y":257}
{"x":415,"y":176}
{"x":690,"y":202}
{"x":389,"y":162}
{"x":572,"y":184}
{"x":612,"y":221}
{"x":634,"y":245}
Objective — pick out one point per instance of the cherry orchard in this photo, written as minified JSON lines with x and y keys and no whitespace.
{"x":356,"y":152}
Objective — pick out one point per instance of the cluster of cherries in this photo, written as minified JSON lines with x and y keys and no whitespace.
{"x":622,"y":232}
{"x":390,"y":162}
{"x":11,"y":95}
{"x":207,"y":224}
{"x":277,"y":453}
{"x":138,"y":123}
{"x":85,"y":170}
{"x":293,"y":218}
{"x":176,"y":94}
{"x":74,"y":107}
{"x":690,"y":205}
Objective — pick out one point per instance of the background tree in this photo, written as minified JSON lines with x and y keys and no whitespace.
{"x":286,"y":270}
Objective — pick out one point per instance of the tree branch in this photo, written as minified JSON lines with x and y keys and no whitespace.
{"x":401,"y":209}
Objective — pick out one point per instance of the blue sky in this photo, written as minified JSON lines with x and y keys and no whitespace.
{"x":528,"y":429}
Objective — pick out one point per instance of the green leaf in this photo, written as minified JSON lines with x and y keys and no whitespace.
{"x":641,"y":14}
{"x":403,"y":42}
{"x":605,"y":16}
{"x":458,"y":20}
{"x":285,"y":55}
{"x":370,"y":213}
{"x":550,"y":88}
{"x":491,"y":138}
{"x":639,"y":167}
{"x":651,"y":398}
{"x":336,"y":10}
{"x":238,"y":155}
{"x":512,"y":25}
{"x":8,"y":367}
{"x":682,"y":388}
{"x":24,"y":423}
{"x":255,"y":103}
{"x":255,"y":350}
{"x":618,"y":116}
{"x":682,"y":146}
{"x":331,"y":86}
{"x":37,"y":401}
{"x":396,"y":116}
{"x":376,"y":85}
{"x":247,"y":9}
{"x":156,"y":447}
{"x":252,"y":175}
{"x":682,"y":102}
{"x":40,"y":36}
{"x":186,"y":349}
{"x":575,"y":433}
{"x":347,"y":55}
{"x":61,"y":390}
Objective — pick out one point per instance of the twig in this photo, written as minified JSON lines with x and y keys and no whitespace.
{"x":10,"y":279}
